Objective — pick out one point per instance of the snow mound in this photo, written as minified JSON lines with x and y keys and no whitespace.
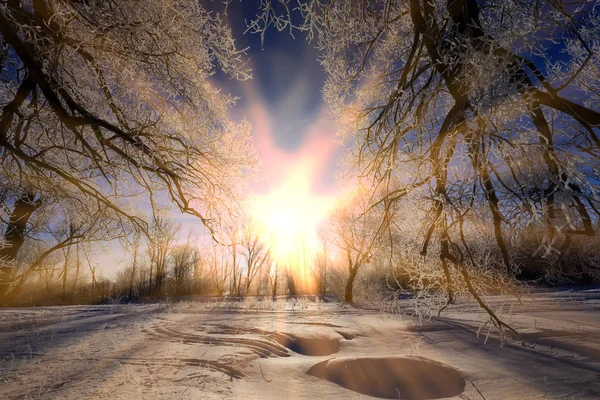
{"x":316,"y":345}
{"x":308,"y":346}
{"x":392,"y":377}
{"x":346,"y":335}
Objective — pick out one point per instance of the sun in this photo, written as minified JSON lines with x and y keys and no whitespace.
{"x":284,"y":226}
{"x":289,"y":216}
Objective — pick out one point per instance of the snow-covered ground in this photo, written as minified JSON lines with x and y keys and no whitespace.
{"x":299,"y":349}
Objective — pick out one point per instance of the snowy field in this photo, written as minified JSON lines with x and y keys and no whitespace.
{"x":299,"y":349}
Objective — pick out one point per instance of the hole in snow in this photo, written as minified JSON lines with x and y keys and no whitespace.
{"x":392,"y":377}
{"x":308,"y":346}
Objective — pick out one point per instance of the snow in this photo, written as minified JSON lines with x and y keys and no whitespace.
{"x":301,"y":350}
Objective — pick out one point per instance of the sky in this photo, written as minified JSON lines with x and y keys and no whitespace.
{"x":293,"y":133}
{"x":283,"y":101}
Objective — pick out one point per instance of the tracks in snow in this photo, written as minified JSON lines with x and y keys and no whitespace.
{"x":263,"y":348}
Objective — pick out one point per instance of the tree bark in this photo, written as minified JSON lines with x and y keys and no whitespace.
{"x":274,"y":292}
{"x":348,"y":297}
{"x":14,"y":237}
{"x":65,"y":272}
{"x":291,"y":283}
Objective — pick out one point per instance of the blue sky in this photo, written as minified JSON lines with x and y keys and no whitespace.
{"x":286,"y":84}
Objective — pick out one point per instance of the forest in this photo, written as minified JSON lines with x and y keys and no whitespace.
{"x":470,"y":162}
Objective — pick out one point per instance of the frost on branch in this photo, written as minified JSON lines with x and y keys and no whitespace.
{"x":108,"y":105}
{"x":487,"y":112}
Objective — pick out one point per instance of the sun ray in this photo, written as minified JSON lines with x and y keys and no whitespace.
{"x":289,"y":217}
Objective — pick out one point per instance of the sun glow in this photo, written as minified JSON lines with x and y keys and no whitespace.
{"x":289,"y":216}
{"x":293,"y":201}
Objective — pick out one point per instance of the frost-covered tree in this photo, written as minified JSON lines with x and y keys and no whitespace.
{"x":357,"y":230}
{"x":110,"y":103}
{"x":256,"y":253}
{"x":488,"y":109}
{"x":183,"y":260}
{"x":56,"y":226}
{"x":162,"y":239}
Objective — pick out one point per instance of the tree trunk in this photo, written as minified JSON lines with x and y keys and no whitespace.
{"x":64,"y":273}
{"x":350,"y":284}
{"x":324,"y":287}
{"x":150,"y":278}
{"x":291,"y":283}
{"x":275,"y":286}
{"x":133,"y":271}
{"x":77,"y":267}
{"x":14,"y":237}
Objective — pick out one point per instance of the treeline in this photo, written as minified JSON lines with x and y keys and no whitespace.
{"x":166,"y":263}
{"x":365,"y":252}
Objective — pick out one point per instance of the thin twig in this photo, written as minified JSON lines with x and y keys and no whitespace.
{"x":481,"y":394}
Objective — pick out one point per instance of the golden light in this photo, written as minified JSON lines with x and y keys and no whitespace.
{"x":289,"y":218}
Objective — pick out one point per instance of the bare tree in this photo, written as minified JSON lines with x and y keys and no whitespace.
{"x":82,"y":227}
{"x":14,"y":235}
{"x":322,"y":262}
{"x":290,"y":280}
{"x":273,"y":279}
{"x":356,"y":230}
{"x":163,"y":235}
{"x":256,"y":253}
{"x":217,"y":258}
{"x":183,"y":260}
{"x":132,"y":245}
{"x":488,"y":110}
{"x":65,"y":270}
{"x":111,"y":102}
{"x":233,"y":232}
{"x":201,"y":270}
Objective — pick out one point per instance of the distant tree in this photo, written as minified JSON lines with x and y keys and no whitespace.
{"x":110,"y":102}
{"x":357,"y":232}
{"x":256,"y":253}
{"x":132,"y":245}
{"x":217,"y":258}
{"x":201,"y":271}
{"x":160,"y":245}
{"x":290,"y":280}
{"x":273,"y":278}
{"x":232,"y":232}
{"x":183,"y":259}
{"x":322,"y":261}
{"x":53,"y":232}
